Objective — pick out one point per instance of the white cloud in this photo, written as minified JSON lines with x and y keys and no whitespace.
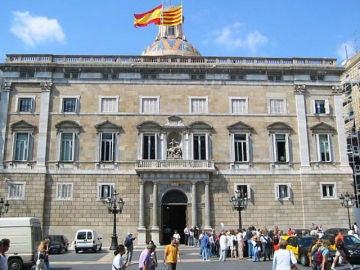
{"x":346,"y":49}
{"x":34,"y":30}
{"x":234,"y":37}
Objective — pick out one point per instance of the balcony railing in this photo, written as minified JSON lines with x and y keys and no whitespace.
{"x":175,"y":165}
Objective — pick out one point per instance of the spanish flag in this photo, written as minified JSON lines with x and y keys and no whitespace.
{"x":172,"y":16}
{"x":152,"y":16}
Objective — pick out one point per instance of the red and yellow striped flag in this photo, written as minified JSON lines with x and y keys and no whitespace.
{"x":152,"y":16}
{"x":172,"y":16}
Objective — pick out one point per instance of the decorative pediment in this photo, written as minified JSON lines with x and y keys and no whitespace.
{"x":22,"y":125}
{"x":279,"y":127}
{"x":108,"y":126}
{"x":240,"y":127}
{"x":149,"y":126}
{"x":174,"y":121}
{"x":68,"y":125}
{"x":199,"y":125}
{"x":323,"y":128}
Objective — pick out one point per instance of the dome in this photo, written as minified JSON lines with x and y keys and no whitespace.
{"x":171,"y":41}
{"x":171,"y":46}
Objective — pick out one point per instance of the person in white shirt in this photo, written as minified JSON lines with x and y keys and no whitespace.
{"x":176,"y":235}
{"x":223,"y":245}
{"x":119,"y":262}
{"x":283,"y":258}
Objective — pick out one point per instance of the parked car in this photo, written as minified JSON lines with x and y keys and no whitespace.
{"x":87,"y":239}
{"x":300,"y":246}
{"x":335,"y":231}
{"x":58,"y":244}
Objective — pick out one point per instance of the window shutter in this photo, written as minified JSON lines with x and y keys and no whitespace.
{"x":327,"y":106}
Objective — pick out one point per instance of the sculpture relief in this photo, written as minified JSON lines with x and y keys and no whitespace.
{"x":174,"y":150}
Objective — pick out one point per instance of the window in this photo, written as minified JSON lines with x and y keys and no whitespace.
{"x":198,"y":104}
{"x":274,"y":77}
{"x":70,"y":104}
{"x":240,"y":148}
{"x":277,"y":106}
{"x":244,"y":190}
{"x":149,"y":146}
{"x":150,"y":105}
{"x":108,"y":104}
{"x":16,"y":191}
{"x":328,"y":190}
{"x":280,"y":147}
{"x":22,"y":146}
{"x":199,"y":144}
{"x":26,"y":104}
{"x":321,"y":106}
{"x":105,"y":191}
{"x":107,"y":151}
{"x":67,"y":146}
{"x":283,"y":191}
{"x":323,"y":147}
{"x":64,"y":191}
{"x":238,"y":105}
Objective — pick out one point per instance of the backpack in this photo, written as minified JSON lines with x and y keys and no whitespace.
{"x":340,"y":244}
{"x":127,"y":242}
{"x":318,"y":256}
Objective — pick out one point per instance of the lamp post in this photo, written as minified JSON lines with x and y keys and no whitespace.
{"x":239,"y":203}
{"x":114,"y":206}
{"x":347,"y":201}
{"x":4,"y":207}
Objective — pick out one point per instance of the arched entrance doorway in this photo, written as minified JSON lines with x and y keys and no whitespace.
{"x":173,"y":213}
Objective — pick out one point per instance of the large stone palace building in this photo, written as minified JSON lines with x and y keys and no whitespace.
{"x":176,"y":134}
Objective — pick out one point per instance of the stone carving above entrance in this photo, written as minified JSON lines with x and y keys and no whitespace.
{"x":174,"y":150}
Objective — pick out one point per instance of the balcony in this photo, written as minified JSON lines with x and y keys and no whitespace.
{"x":174,"y":165}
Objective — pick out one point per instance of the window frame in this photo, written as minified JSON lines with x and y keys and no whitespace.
{"x":318,"y":147}
{"x":200,"y":151}
{"x":60,"y":190}
{"x":116,"y":105}
{"x":248,"y":189}
{"x":28,"y":151}
{"x":77,"y":104}
{"x":326,"y":106}
{"x":245,"y":107}
{"x":152,"y":151}
{"x":112,"y":145}
{"x":275,"y":147}
{"x":327,"y":185}
{"x":205,"y":105}
{"x":19,"y":100}
{"x":278,"y":193}
{"x":233,"y":147}
{"x":100,"y":190}
{"x":156,"y":108}
{"x":271,"y":108}
{"x":21,"y":192}
{"x":73,"y":149}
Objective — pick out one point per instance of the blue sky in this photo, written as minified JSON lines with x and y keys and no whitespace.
{"x":263,"y":28}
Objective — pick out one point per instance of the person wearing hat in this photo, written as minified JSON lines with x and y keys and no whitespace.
{"x":145,"y":261}
{"x":129,"y":244}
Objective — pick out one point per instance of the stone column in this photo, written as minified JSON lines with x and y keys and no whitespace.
{"x":155,"y":226}
{"x":43,"y":123}
{"x":4,"y":107}
{"x":302,"y":125}
{"x":340,"y":126}
{"x":194,"y":221}
{"x":207,"y":207}
{"x":141,"y":238}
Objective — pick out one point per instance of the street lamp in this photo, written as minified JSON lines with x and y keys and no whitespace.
{"x":4,"y":207}
{"x":347,"y":201}
{"x":115,"y":206}
{"x":239,"y":203}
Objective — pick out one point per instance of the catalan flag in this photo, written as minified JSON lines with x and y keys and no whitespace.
{"x":172,"y":16}
{"x":152,"y":16}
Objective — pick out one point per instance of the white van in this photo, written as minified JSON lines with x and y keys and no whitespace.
{"x":25,"y":235}
{"x":87,"y":239}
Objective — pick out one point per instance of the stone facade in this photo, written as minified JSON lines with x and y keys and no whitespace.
{"x":292,"y":166}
